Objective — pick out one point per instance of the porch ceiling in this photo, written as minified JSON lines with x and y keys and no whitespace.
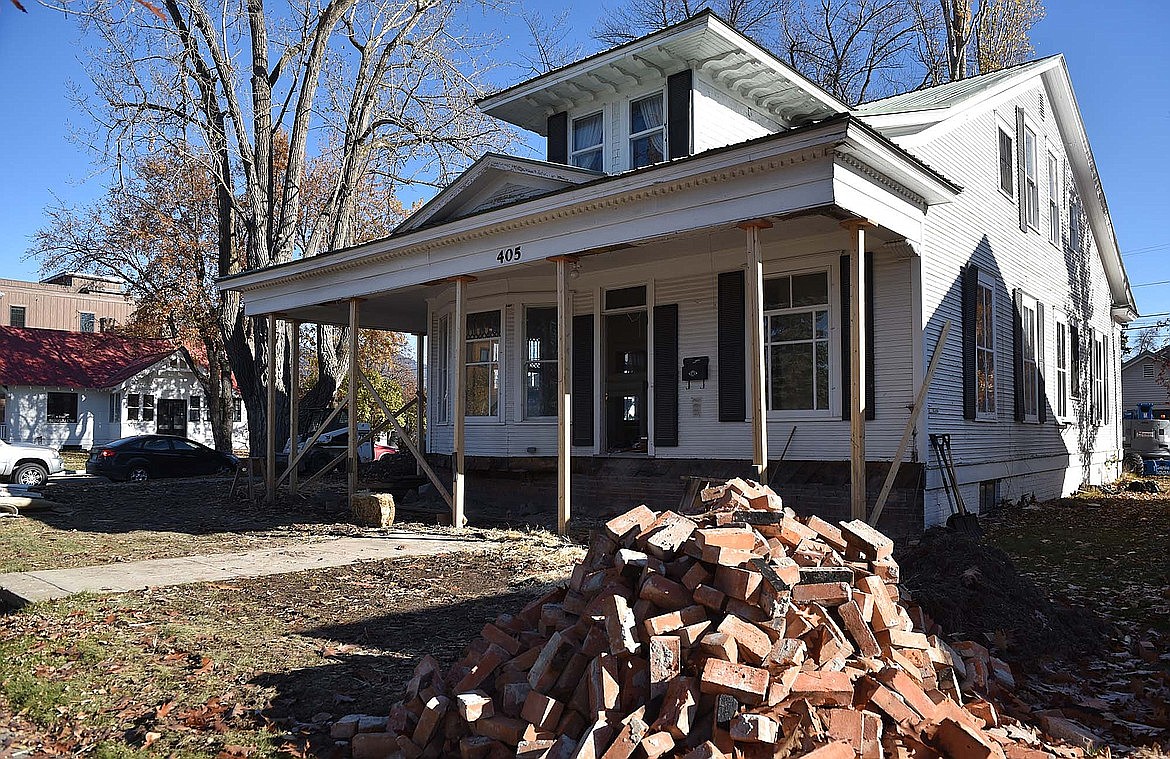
{"x":402,"y":310}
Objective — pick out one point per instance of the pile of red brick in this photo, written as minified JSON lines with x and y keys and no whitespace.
{"x":742,"y":631}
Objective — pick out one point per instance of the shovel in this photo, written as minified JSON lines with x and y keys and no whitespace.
{"x":960,"y":520}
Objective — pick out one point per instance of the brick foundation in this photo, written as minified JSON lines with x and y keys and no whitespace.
{"x":604,"y":486}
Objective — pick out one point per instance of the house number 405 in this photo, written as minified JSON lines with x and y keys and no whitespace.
{"x":508,"y":255}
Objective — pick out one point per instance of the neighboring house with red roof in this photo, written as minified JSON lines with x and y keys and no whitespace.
{"x":80,"y":389}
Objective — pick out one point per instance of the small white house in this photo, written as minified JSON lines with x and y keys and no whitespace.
{"x":722,"y":269}
{"x":80,"y":390}
{"x":1145,"y":378}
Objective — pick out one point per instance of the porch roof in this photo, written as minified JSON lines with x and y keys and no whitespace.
{"x":839,"y":162}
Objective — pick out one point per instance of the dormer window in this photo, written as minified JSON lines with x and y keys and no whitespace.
{"x":647,"y":135}
{"x":588,"y":136}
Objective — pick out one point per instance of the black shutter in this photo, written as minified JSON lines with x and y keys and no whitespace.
{"x":732,"y":348}
{"x":583,"y":380}
{"x":1074,"y":338}
{"x":558,"y":137}
{"x":1018,"y":351}
{"x":1021,"y":173}
{"x":1041,"y":393}
{"x":846,"y":333}
{"x":666,"y":375}
{"x":970,"y":358}
{"x":678,"y":114}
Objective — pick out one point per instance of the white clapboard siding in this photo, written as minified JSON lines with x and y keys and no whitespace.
{"x":720,"y":119}
{"x":982,"y":226}
{"x":1137,"y":387}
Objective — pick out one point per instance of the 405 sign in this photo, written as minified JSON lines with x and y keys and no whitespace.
{"x":508,"y":255}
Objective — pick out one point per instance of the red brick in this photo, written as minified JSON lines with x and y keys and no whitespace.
{"x":695,"y":576}
{"x":603,"y":684}
{"x":709,"y":597}
{"x":374,"y":745}
{"x":887,"y":570}
{"x":740,"y":538}
{"x":664,"y":592}
{"x":632,"y":522}
{"x":855,"y":625}
{"x":675,"y":620}
{"x":736,"y":582}
{"x":432,"y":716}
{"x":727,"y":557}
{"x":595,"y":740}
{"x":493,"y":634}
{"x":754,"y":728}
{"x":748,"y":684}
{"x":721,"y":646}
{"x":828,"y":593}
{"x":787,"y":652}
{"x":835,"y":750}
{"x":474,"y":705}
{"x":546,"y":669}
{"x":680,"y":706}
{"x":620,"y":624}
{"x":665,"y":662}
{"x":866,"y":541}
{"x":634,"y":729}
{"x":542,"y":711}
{"x":503,"y":729}
{"x":657,"y":744}
{"x":827,"y":532}
{"x":691,"y":634}
{"x":492,"y":658}
{"x":667,"y":534}
{"x":959,"y":741}
{"x":753,"y":644}
{"x":888,"y":702}
{"x":824,"y":688}
{"x":910,"y":691}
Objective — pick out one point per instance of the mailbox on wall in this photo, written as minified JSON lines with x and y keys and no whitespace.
{"x":695,"y":369}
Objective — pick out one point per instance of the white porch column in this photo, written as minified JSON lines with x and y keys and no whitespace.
{"x":419,"y":403}
{"x":351,"y":401}
{"x":459,"y":389}
{"x":294,"y":400}
{"x":564,"y":392}
{"x":270,"y":421}
{"x":857,"y":368}
{"x":754,"y":290}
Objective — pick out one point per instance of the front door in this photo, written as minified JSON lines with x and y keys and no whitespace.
{"x":172,"y":417}
{"x":626,"y":388}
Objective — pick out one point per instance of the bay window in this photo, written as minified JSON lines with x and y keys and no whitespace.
{"x":796,"y":341}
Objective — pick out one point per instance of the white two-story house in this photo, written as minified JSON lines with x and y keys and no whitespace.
{"x":721,"y":269}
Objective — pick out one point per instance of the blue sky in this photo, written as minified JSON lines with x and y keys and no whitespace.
{"x":1116,"y":53}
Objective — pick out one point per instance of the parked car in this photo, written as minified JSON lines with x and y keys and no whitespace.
{"x":331,"y":443}
{"x":384,"y":451}
{"x":26,"y":464}
{"x":147,"y":457}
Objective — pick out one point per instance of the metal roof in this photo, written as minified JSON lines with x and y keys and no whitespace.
{"x":944,"y":95}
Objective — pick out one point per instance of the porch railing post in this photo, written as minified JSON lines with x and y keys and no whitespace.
{"x":458,"y":388}
{"x":857,"y":368}
{"x":419,"y":393}
{"x":564,"y":393}
{"x":270,"y":414}
{"x":351,"y":401}
{"x":294,"y":399}
{"x":755,"y":318}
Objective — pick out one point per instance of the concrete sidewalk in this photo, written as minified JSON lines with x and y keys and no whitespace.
{"x":19,"y":588}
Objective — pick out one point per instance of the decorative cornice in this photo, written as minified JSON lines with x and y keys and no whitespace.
{"x":879,"y":178}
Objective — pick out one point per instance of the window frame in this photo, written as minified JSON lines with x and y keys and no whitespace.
{"x":1030,"y":192}
{"x":1076,"y":213}
{"x":441,"y":386}
{"x":1004,"y":130}
{"x":599,"y":147}
{"x":23,"y":315}
{"x":81,"y":321}
{"x":986,"y":282}
{"x":832,"y":306}
{"x":148,"y":407}
{"x":525,"y":360}
{"x":1029,"y":304}
{"x":195,"y":409}
{"x":498,"y":362}
{"x":73,"y":418}
{"x":114,"y":412}
{"x":661,"y":128}
{"x":1062,"y":371}
{"x":1054,"y":199}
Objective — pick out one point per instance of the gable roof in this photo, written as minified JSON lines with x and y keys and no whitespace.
{"x":493,"y":181}
{"x":945,"y":95}
{"x":702,"y":41}
{"x":56,"y":358}
{"x":1160,"y":354}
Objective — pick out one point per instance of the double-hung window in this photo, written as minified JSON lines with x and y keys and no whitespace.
{"x":483,"y":364}
{"x":442,"y":370}
{"x":588,"y":138}
{"x":1062,"y":374}
{"x":1029,"y":358}
{"x":62,"y":408}
{"x":17,"y":316}
{"x":1006,"y":160}
{"x":195,"y":409}
{"x":540,"y":361}
{"x":647,"y":132}
{"x":1075,"y":223}
{"x":140,"y":407}
{"x":1031,"y":190}
{"x":1097,"y":368}
{"x":115,"y":411}
{"x":796,"y":341}
{"x":1053,"y":200}
{"x":86,"y":321}
{"x":985,"y":347}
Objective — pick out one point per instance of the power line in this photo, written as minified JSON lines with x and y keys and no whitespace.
{"x":1152,"y":284}
{"x":1145,"y":250}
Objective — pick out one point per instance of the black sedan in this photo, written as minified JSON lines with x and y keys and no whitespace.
{"x":146,"y":457}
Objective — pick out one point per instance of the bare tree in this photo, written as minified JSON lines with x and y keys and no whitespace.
{"x":755,"y":18}
{"x":964,"y":37}
{"x":1001,"y":34}
{"x":384,"y":88}
{"x":550,"y":41}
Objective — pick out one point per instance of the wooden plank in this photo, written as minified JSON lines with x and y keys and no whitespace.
{"x":379,"y":427}
{"x":295,"y":456}
{"x":352,"y":442}
{"x":857,"y":296}
{"x":270,"y":421}
{"x":754,"y":290}
{"x":294,"y":400}
{"x":460,"y":405}
{"x":564,"y":394}
{"x":419,"y":395}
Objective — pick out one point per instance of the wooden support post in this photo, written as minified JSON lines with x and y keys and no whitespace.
{"x":270,"y":414}
{"x":755,"y":318}
{"x":858,"y":370}
{"x":294,"y":400}
{"x":459,"y":389}
{"x":419,"y":394}
{"x":351,"y":401}
{"x":564,"y":393}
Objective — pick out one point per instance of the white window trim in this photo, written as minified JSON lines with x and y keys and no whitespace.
{"x":1030,"y":303}
{"x":1002,"y":125}
{"x":1031,"y":205}
{"x":21,"y":306}
{"x":599,"y":146}
{"x":986,"y":280}
{"x":1061,"y":342}
{"x":522,"y":367}
{"x":631,"y":135}
{"x":834,"y":410}
{"x":440,"y":401}
{"x":500,"y":417}
{"x":92,"y":321}
{"x":1054,"y":199}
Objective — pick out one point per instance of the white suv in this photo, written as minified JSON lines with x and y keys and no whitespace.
{"x":30,"y":465}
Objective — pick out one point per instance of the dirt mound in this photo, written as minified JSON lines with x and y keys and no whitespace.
{"x":974,"y":591}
